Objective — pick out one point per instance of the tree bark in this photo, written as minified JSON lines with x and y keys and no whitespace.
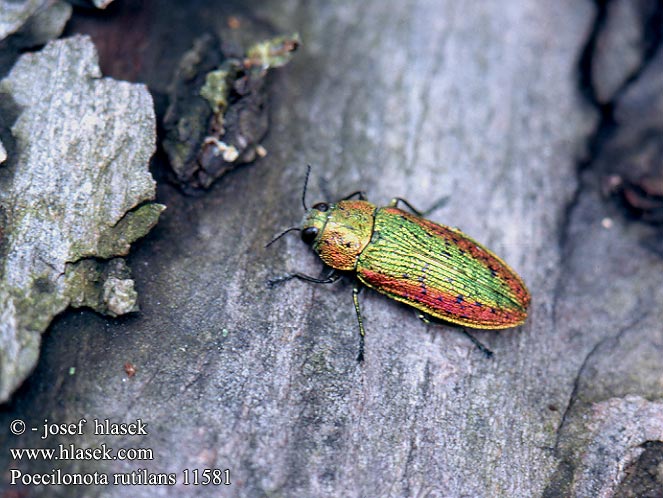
{"x":477,"y":102}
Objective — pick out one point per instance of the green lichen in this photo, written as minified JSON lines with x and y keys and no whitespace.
{"x":218,"y":108}
{"x":119,"y":296}
{"x":216,"y":89}
{"x":273,"y":53}
{"x":259,"y":58}
{"x":36,"y":306}
{"x":117,"y":240}
{"x":104,"y":286}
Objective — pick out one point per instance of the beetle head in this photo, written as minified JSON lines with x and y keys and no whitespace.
{"x":314,"y":222}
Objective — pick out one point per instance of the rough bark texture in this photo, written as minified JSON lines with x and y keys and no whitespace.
{"x":423,"y":99}
{"x":25,"y":25}
{"x":35,"y":20}
{"x":71,"y":195}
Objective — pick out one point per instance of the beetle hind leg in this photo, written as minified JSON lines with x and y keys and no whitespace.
{"x":479,"y":345}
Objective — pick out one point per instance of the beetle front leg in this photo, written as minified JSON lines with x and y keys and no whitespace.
{"x":330,"y":279}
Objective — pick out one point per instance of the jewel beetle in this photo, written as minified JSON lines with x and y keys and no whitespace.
{"x":434,"y":268}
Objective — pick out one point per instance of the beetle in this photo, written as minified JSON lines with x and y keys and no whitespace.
{"x":436,"y":269}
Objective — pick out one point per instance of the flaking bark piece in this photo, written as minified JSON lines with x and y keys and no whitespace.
{"x":98,"y":4}
{"x":74,"y":194}
{"x":105,"y":286}
{"x":34,"y":21}
{"x":14,"y":14}
{"x":217,"y":113}
{"x":27,"y":25}
{"x":102,"y":4}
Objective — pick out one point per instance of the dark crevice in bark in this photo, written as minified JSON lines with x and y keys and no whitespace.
{"x":606,"y":121}
{"x":582,"y":369}
{"x":585,"y":77}
{"x":563,"y":475}
{"x":604,"y":131}
{"x":606,"y":127}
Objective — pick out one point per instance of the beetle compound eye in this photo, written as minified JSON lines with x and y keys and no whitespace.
{"x":321,"y":206}
{"x":309,"y":234}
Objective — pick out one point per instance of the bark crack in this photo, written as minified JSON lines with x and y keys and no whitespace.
{"x":581,"y":373}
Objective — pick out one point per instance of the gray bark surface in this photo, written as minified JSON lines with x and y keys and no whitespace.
{"x":475,"y":102}
{"x":14,"y":14}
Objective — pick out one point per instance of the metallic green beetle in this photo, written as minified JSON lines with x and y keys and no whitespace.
{"x":434,"y":268}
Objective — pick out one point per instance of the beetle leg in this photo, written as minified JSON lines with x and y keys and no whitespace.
{"x":480,"y":346}
{"x":394,"y":203}
{"x":355,"y":297}
{"x":477,"y":343}
{"x":441,"y":202}
{"x":330,"y":279}
{"x":361,"y":195}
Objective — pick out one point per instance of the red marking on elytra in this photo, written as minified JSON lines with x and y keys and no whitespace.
{"x":442,"y":305}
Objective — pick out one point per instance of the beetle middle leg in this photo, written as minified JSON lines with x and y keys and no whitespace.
{"x":479,"y":345}
{"x":332,"y":276}
{"x":438,"y":204}
{"x":355,"y":298}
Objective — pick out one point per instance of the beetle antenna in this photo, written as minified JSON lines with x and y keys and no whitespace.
{"x":292,"y":229}
{"x":308,"y":172}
